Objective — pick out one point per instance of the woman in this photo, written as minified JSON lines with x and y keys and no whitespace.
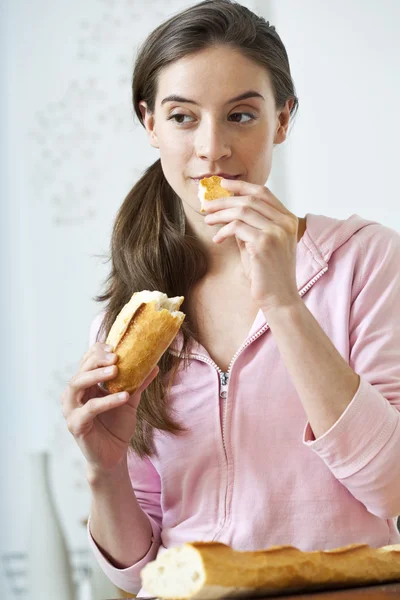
{"x":274,"y":417}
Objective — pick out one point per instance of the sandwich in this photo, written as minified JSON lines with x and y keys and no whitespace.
{"x":141,"y":333}
{"x":211,"y":570}
{"x":210,"y":189}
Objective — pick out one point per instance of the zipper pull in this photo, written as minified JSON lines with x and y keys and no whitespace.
{"x":224,"y":384}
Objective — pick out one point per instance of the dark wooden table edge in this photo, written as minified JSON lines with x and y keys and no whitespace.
{"x":378,"y":590}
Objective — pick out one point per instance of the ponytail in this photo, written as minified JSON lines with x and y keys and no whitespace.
{"x":151,"y":249}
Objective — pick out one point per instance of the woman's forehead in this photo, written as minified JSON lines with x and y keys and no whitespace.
{"x":222,"y":72}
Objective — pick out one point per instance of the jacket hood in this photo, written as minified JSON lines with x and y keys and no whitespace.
{"x":322,"y":237}
{"x":326,"y":234}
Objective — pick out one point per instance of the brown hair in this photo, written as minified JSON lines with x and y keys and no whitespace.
{"x":151,"y":246}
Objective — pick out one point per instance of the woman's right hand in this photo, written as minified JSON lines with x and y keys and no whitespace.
{"x":101,"y":424}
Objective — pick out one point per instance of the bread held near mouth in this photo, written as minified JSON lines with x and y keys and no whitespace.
{"x":210,"y":189}
{"x":141,"y":333}
{"x":211,"y":570}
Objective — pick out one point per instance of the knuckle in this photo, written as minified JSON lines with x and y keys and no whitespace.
{"x":90,"y":408}
{"x":272,"y":239}
{"x":279,"y":237}
{"x":243,"y":210}
{"x":73,"y":383}
{"x":100,"y":356}
{"x":291,"y":224}
{"x":88,"y":354}
{"x":285,"y":233}
{"x":71,"y":426}
{"x":266,"y":242}
{"x":94,"y":358}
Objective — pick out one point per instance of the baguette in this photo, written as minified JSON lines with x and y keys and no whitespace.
{"x":140,"y":334}
{"x":210,"y":189}
{"x":210,"y":570}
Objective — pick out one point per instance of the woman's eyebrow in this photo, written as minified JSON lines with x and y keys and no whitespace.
{"x":245,"y":96}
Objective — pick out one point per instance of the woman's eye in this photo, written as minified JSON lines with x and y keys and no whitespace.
{"x":179,"y":118}
{"x":242,"y":114}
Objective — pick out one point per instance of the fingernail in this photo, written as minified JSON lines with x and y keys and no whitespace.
{"x":108,"y":348}
{"x":109,"y":370}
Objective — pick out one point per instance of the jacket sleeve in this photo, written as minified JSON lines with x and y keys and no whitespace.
{"x":362,"y":449}
{"x":147,"y":486}
{"x":146,"y":483}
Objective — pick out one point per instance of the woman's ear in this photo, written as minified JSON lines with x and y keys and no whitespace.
{"x":283,"y":122}
{"x":149,"y":123}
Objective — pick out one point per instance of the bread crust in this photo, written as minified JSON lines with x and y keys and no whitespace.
{"x":211,"y":570}
{"x":144,"y":338}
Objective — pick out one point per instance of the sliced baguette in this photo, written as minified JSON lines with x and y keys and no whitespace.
{"x":141,"y":333}
{"x":210,"y":570}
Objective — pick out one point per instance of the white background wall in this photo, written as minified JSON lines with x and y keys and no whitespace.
{"x":71,"y":150}
{"x":343,"y":152}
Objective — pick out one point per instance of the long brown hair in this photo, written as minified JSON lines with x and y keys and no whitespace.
{"x":151,"y":245}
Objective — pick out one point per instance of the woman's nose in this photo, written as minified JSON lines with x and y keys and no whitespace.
{"x":211,"y":142}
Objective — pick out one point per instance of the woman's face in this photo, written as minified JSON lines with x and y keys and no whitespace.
{"x":202,"y":127}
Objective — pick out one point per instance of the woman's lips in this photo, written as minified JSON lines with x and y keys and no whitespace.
{"x":196,"y":180}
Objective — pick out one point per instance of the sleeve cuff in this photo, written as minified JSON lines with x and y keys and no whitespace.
{"x":127,"y":579}
{"x":358,"y":435}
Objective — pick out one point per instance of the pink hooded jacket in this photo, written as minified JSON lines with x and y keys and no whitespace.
{"x":249,"y":471}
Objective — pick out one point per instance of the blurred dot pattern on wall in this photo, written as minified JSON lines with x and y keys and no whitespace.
{"x":71,"y":136}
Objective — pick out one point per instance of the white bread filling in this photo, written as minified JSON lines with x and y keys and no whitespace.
{"x":201,"y":193}
{"x":176,"y":573}
{"x":161,"y":302}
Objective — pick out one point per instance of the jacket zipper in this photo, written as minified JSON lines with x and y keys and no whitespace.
{"x":224,"y":376}
{"x":223,"y":393}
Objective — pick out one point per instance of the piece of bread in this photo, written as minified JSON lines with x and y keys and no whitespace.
{"x":210,"y":570}
{"x":210,"y":189}
{"x":141,"y":333}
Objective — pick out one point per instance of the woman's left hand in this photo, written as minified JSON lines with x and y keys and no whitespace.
{"x":266,"y":233}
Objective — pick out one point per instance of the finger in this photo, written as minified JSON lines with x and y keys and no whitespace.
{"x":84,"y":380}
{"x":99,"y":358}
{"x":244,"y":188}
{"x":97,"y":349}
{"x":81,"y":382}
{"x":243,"y":213}
{"x":244,"y":232}
{"x":80,"y":421}
{"x":242,"y":204}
